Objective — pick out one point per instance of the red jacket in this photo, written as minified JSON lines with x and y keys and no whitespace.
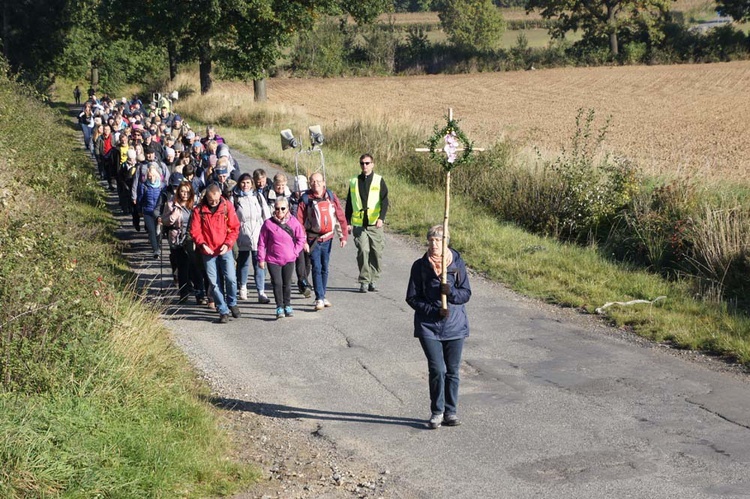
{"x":214,"y":229}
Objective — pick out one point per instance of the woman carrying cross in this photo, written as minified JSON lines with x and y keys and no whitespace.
{"x":438,"y":291}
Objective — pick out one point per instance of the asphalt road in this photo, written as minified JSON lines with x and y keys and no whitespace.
{"x":553,"y":404}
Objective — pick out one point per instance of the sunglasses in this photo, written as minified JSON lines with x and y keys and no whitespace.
{"x":365,"y":163}
{"x":279,"y":208}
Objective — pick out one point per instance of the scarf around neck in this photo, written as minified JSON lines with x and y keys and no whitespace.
{"x":437,"y":261}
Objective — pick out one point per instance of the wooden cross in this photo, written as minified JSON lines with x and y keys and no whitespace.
{"x":446,"y":216}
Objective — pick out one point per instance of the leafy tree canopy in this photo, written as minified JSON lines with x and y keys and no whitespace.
{"x":471,"y":24}
{"x":601,"y":19}
{"x":739,"y":10}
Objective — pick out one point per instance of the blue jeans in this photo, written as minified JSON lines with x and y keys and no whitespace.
{"x":319,"y":257}
{"x":443,"y":362}
{"x":243,"y":270}
{"x":87,"y":132}
{"x":243,"y":267}
{"x":225,"y":265}
{"x":260,"y":275}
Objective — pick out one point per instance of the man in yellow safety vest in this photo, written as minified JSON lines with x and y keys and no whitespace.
{"x":366,"y":208}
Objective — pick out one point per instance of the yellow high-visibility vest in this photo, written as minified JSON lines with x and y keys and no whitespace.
{"x":373,"y":201}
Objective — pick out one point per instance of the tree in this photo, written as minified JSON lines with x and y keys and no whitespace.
{"x":600,"y":19}
{"x":739,"y":10}
{"x":256,"y":31}
{"x":471,"y":24}
{"x":33,"y":35}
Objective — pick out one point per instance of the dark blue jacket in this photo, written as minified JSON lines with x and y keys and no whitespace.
{"x":423,"y":295}
{"x":148,"y":198}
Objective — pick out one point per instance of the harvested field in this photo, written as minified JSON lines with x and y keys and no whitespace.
{"x":684,"y":119}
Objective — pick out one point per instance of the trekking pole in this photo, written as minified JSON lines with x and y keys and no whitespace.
{"x":161,"y":258}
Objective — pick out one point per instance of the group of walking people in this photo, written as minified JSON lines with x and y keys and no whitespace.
{"x":219,"y":222}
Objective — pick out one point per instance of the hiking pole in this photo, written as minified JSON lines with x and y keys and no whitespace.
{"x":161,"y":258}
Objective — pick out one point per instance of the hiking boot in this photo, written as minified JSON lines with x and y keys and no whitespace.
{"x":326,"y":303}
{"x":436,"y":420}
{"x":371,"y":287}
{"x":223,"y":318}
{"x":304,"y":288}
{"x":451,"y":420}
{"x":279,"y":313}
{"x":363,"y":288}
{"x":243,"y":293}
{"x":262,"y":298}
{"x":288,"y":311}
{"x":235,"y":312}
{"x":319,"y":304}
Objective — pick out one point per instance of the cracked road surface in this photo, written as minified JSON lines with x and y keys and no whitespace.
{"x":554,"y":404}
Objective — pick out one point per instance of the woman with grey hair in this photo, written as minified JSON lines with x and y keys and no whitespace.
{"x":147,"y":203}
{"x":441,"y":332}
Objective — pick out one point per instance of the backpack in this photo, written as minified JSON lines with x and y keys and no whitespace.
{"x":319,"y":219}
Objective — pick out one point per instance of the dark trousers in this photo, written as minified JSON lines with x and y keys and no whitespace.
{"x":189,"y":275}
{"x":443,"y":362}
{"x":281,"y":278}
{"x":302,"y":269}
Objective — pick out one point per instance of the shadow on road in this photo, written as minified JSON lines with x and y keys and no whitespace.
{"x":286,"y":412}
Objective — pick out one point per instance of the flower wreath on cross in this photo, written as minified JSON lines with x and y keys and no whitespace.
{"x":453,"y":136}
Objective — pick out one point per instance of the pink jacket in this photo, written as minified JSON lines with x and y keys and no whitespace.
{"x":276,"y":245}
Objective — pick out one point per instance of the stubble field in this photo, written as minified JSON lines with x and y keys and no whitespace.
{"x":686,"y":119}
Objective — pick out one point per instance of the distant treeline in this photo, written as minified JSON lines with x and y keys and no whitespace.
{"x":337,"y":49}
{"x":432,"y":5}
{"x":512,"y":24}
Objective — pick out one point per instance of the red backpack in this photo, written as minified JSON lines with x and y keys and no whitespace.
{"x":320,"y":213}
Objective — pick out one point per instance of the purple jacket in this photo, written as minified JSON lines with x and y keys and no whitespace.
{"x":276,"y":245}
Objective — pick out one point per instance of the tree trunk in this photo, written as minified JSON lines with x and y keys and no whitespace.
{"x":94,"y":77}
{"x":205,"y":67}
{"x":6,"y":30}
{"x":172,"y":53}
{"x":612,"y":26}
{"x":259,"y":88}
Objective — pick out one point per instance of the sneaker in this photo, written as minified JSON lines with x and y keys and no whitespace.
{"x":243,"y":292}
{"x":363,"y":288}
{"x":156,"y":256}
{"x":201,"y":300}
{"x":235,"y":312}
{"x":262,"y":298}
{"x":371,"y":287}
{"x":211,"y":305}
{"x":279,"y":313}
{"x":307,"y":292}
{"x":436,"y":420}
{"x":288,"y":312}
{"x":223,"y":318}
{"x":326,"y":303}
{"x":319,"y":305}
{"x":451,"y":420}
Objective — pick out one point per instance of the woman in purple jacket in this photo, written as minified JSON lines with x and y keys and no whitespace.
{"x":282,"y":238}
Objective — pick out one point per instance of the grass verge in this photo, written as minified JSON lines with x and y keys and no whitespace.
{"x":565,"y":274}
{"x":95,"y":401}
